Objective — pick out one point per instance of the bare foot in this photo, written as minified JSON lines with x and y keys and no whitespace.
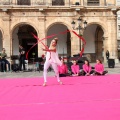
{"x":60,"y":82}
{"x":44,"y":84}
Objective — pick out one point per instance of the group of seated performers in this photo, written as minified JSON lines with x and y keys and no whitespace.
{"x":86,"y":71}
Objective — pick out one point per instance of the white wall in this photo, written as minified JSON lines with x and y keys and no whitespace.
{"x":15,"y":42}
{"x":61,"y":38}
{"x":89,"y":36}
{"x":0,"y":41}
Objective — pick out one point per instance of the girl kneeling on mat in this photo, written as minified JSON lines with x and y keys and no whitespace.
{"x":99,"y":68}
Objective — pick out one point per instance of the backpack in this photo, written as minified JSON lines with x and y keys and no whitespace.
{"x":15,"y":67}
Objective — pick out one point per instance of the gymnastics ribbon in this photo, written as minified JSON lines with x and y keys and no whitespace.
{"x":84,"y":43}
{"x":51,"y":36}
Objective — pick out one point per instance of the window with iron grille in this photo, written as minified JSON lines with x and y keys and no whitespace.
{"x":93,"y":2}
{"x":23,"y":2}
{"x":58,"y":2}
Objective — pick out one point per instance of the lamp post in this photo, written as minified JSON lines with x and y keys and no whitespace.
{"x":80,"y":28}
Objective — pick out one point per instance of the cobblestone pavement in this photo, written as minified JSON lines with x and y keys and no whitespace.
{"x":115,"y":70}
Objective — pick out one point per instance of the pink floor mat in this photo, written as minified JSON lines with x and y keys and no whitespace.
{"x":79,"y":98}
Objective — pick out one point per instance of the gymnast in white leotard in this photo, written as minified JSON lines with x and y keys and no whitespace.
{"x":52,"y":59}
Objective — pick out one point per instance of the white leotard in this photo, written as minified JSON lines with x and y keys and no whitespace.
{"x":53,"y":57}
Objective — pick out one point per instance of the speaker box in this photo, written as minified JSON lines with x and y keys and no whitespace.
{"x":111,"y":63}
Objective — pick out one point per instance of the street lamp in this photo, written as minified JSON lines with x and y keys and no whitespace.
{"x":80,"y":28}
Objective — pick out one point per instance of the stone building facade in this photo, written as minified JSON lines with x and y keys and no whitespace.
{"x":20,"y":18}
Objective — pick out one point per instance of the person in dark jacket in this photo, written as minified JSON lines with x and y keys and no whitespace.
{"x":22,"y":57}
{"x":107,"y":54}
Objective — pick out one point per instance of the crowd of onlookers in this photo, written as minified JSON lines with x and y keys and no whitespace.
{"x":86,"y":70}
{"x":5,"y":65}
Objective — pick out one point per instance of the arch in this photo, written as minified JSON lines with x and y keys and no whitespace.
{"x":20,"y":34}
{"x":53,"y":22}
{"x":64,"y":46}
{"x":24,"y":23}
{"x":102,"y":25}
{"x":94,"y":37}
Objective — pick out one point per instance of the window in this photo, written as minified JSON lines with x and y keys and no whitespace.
{"x":58,"y":2}
{"x":118,"y":2}
{"x":5,"y":2}
{"x":93,"y":2}
{"x":118,"y":27}
{"x":23,"y":2}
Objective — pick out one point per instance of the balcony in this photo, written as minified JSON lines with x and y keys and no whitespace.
{"x":33,"y":2}
{"x":5,"y":2}
{"x":93,"y":3}
{"x":52,"y":3}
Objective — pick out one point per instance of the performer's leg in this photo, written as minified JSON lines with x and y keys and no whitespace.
{"x":83,"y":73}
{"x":46,"y":66}
{"x":55,"y":68}
{"x":7,"y":62}
{"x":62,"y":75}
{"x":97,"y":73}
{"x":20,"y":65}
{"x":91,"y":72}
{"x":105,"y":72}
{"x":24,"y":64}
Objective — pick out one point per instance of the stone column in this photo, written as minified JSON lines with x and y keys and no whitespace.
{"x":102,"y":2}
{"x":105,"y":47}
{"x":112,"y":38}
{"x":85,"y":2}
{"x":67,"y":2}
{"x":49,"y":2}
{"x":7,"y":38}
{"x":41,"y":34}
{"x":82,"y":2}
{"x":14,"y":2}
{"x":75,"y":44}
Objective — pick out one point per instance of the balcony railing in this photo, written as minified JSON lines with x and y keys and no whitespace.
{"x":5,"y":2}
{"x":50,"y":3}
{"x":23,"y":2}
{"x":58,"y":2}
{"x":93,"y":3}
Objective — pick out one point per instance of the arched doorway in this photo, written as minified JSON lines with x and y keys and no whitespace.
{"x":1,"y":41}
{"x":94,"y":41}
{"x":64,"y":40}
{"x":22,"y":36}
